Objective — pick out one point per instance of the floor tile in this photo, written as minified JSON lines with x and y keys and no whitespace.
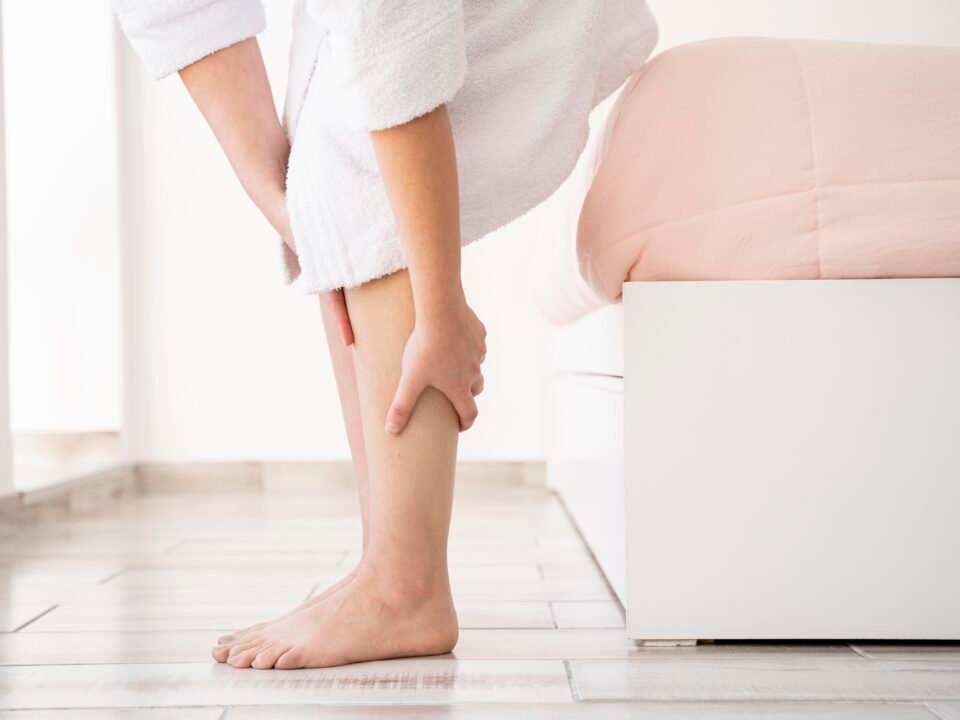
{"x":143,"y":589}
{"x":302,"y":561}
{"x":15,"y":614}
{"x":108,"y":594}
{"x":146,"y":615}
{"x":329,"y":563}
{"x":588,"y":614}
{"x":946,"y":710}
{"x":504,"y":615}
{"x":154,"y":617}
{"x":788,"y":677}
{"x":104,"y":648}
{"x":221,"y":577}
{"x":584,"y":570}
{"x":572,"y":644}
{"x":183,"y":713}
{"x":545,"y":644}
{"x":187,"y":646}
{"x":947,"y":654}
{"x":593,"y":711}
{"x":479,"y":556}
{"x":266,"y":543}
{"x":562,"y":589}
{"x":428,"y":680}
{"x":305,"y":543}
{"x":47,"y":571}
{"x":108,"y":551}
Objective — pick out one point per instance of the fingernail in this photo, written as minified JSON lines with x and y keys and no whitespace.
{"x":392,"y":428}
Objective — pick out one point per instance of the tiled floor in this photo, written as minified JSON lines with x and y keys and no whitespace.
{"x":111,"y":616}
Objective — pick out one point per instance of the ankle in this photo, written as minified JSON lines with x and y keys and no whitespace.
{"x":407,"y":588}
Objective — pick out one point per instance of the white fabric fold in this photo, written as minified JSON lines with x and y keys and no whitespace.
{"x":168,"y":35}
{"x":519,"y":79}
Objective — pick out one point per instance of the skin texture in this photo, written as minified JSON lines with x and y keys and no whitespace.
{"x":398,"y":601}
{"x":419,"y":168}
{"x":407,"y":385}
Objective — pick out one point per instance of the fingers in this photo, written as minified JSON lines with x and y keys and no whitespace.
{"x":408,"y":392}
{"x":290,"y":259}
{"x":338,"y":303}
{"x":466,"y":408}
{"x":477,"y":386}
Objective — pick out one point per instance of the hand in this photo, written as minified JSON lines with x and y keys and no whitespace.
{"x":444,"y":351}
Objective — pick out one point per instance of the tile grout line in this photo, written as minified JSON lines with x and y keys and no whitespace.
{"x":571,"y":682}
{"x":34,"y":619}
{"x":113,"y":575}
{"x":553,"y":615}
{"x":178,"y":543}
{"x":932,"y":709}
{"x":312,"y":590}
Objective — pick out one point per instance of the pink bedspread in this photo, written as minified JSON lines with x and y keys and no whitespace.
{"x":756,"y":159}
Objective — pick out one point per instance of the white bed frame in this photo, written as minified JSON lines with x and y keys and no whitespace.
{"x":769,"y":459}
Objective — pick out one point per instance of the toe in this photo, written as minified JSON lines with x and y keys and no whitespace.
{"x":292,"y":659}
{"x":226,"y":639}
{"x":220,"y":653}
{"x":267,"y":657}
{"x":241,"y":659}
{"x":242,"y":655}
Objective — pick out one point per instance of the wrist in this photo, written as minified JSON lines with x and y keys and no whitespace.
{"x":440,"y":302}
{"x":274,"y":208}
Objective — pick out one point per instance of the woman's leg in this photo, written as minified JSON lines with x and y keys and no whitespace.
{"x":399,"y":604}
{"x":346,"y":377}
{"x":345,"y":374}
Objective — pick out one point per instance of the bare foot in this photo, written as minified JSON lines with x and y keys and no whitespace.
{"x":362,"y":621}
{"x":225,"y":642}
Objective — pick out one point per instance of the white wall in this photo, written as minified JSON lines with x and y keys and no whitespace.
{"x":918,"y":22}
{"x":6,"y":465}
{"x":223,"y":361}
{"x":63,"y":239}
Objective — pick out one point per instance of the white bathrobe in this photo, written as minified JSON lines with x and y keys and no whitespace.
{"x":519,"y":78}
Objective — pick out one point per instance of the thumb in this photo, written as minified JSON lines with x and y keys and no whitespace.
{"x":408,"y":392}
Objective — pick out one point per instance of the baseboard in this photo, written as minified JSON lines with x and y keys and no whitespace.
{"x":72,"y":496}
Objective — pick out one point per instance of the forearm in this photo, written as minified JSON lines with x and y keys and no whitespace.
{"x":233,"y":93}
{"x":418,"y":163}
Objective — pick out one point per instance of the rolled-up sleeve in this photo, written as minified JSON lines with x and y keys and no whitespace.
{"x":170,"y":34}
{"x":396,"y":59}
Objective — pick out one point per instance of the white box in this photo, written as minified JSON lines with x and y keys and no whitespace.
{"x":792,"y":459}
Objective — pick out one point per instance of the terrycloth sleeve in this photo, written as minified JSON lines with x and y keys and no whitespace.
{"x":170,"y":34}
{"x":395,"y":59}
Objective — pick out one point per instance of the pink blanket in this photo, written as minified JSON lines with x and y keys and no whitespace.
{"x":756,"y":159}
